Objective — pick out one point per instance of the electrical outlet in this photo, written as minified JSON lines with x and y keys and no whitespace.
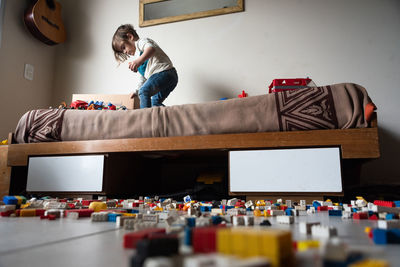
{"x":28,"y":73}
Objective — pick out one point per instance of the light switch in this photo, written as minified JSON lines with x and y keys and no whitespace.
{"x":28,"y":73}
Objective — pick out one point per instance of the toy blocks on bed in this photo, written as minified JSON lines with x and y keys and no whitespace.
{"x":118,"y":100}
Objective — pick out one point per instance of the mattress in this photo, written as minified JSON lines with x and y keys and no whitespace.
{"x":338,"y":106}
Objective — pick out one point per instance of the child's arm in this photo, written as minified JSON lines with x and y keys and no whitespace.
{"x":147,"y":53}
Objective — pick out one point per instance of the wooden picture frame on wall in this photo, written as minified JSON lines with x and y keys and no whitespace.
{"x":146,"y":19}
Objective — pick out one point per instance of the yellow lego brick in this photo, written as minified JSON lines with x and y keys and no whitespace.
{"x":307,"y":244}
{"x":370,"y":263}
{"x":27,"y":212}
{"x":277,"y":246}
{"x":257,"y":212}
{"x":245,"y":242}
{"x":24,"y":206}
{"x":239,"y":242}
{"x":98,"y":206}
{"x":252,"y":243}
{"x":129,"y":214}
{"x":224,"y":241}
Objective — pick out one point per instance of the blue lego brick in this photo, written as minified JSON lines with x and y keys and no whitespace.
{"x":191,"y":222}
{"x":112,"y":217}
{"x":134,"y":211}
{"x":390,"y":216}
{"x":383,"y":237}
{"x":288,"y":211}
{"x":187,"y":238}
{"x":216,"y":220}
{"x":397,"y":203}
{"x":10,"y":200}
{"x":316,"y":204}
{"x":205,"y":208}
{"x":335,"y":212}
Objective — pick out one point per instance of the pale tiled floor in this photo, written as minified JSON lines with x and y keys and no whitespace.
{"x":39,"y":243}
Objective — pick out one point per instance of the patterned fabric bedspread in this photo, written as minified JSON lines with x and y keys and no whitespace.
{"x":338,"y":106}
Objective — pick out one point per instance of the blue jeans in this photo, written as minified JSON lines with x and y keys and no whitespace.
{"x":156,"y":89}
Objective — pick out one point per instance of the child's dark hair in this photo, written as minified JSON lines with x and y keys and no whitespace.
{"x":120,"y":35}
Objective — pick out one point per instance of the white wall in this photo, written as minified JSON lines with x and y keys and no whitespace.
{"x":18,"y":47}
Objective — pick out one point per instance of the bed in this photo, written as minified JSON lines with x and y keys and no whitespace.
{"x":335,"y":115}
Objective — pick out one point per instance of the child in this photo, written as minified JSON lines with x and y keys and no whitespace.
{"x":158,"y":76}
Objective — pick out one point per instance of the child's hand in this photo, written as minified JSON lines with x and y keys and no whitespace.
{"x":134,"y":65}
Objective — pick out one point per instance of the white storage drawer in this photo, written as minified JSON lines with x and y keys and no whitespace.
{"x":285,"y":170}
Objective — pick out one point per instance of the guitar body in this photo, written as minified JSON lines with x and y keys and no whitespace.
{"x":43,"y":19}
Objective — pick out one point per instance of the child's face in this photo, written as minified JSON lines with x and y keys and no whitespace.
{"x":128,"y":46}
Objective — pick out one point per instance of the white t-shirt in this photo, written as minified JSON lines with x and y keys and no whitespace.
{"x":157,"y":63}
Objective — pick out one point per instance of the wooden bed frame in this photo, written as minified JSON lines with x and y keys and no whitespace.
{"x":359,"y":143}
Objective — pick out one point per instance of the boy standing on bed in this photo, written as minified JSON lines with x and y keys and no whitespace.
{"x":158,"y":76}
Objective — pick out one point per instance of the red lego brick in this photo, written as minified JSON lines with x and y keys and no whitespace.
{"x":373,"y":217}
{"x":81,"y":212}
{"x":384,"y":203}
{"x":322,"y":208}
{"x":360,"y":216}
{"x":6,"y":213}
{"x":131,"y":239}
{"x":204,"y":239}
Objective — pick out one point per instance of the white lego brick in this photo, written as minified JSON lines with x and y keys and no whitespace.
{"x":389,"y":224}
{"x":364,"y":209}
{"x":379,"y":209}
{"x":347,"y":209}
{"x":248,"y":204}
{"x":203,"y":221}
{"x":129,"y":224}
{"x":200,"y":261}
{"x":284,"y":219}
{"x":99,"y":216}
{"x":150,"y":218}
{"x":327,"y":203}
{"x":361,"y":203}
{"x":320,"y":231}
{"x":232,"y":202}
{"x":216,"y":211}
{"x":248,"y":220}
{"x":300,"y":207}
{"x":311,"y":210}
{"x":4,"y":208}
{"x":303,"y":212}
{"x":160,"y":262}
{"x":73,"y":215}
{"x":347,"y":215}
{"x":237,"y":220}
{"x":305,"y":227}
{"x":334,"y":250}
{"x":277,"y":212}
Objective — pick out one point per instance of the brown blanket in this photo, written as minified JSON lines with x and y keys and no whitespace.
{"x":327,"y":107}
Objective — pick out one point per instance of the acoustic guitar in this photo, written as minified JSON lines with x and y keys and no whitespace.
{"x":43,"y":19}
